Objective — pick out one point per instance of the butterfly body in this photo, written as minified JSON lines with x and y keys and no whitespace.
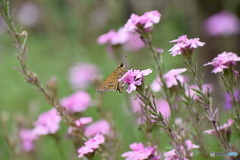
{"x":112,"y":83}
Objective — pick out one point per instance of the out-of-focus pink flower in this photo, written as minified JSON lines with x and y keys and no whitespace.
{"x":183,"y":44}
{"x":226,"y":125}
{"x":173,"y":75}
{"x":81,"y":122}
{"x":228,"y":99}
{"x":129,"y":41}
{"x":113,"y":37}
{"x":27,"y":137}
{"x":134,"y":78}
{"x":28,"y":14}
{"x":163,"y":107}
{"x":134,"y":43}
{"x":146,"y":21}
{"x":77,"y":102}
{"x":82,"y":75}
{"x":91,"y":145}
{"x":156,"y":85}
{"x":139,"y":152}
{"x":99,"y":127}
{"x":189,"y":90}
{"x":222,"y":24}
{"x":171,"y":155}
{"x":47,"y":123}
{"x":136,"y":104}
{"x":223,"y":61}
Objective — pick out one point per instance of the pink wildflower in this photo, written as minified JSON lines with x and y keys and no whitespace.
{"x":99,"y":127}
{"x":156,"y":85}
{"x":77,"y":102}
{"x":82,"y":75}
{"x":223,"y":61}
{"x":136,"y":104}
{"x":91,"y":145}
{"x":222,"y":24}
{"x":183,"y":44}
{"x":145,"y":21}
{"x":27,"y":137}
{"x":47,"y":123}
{"x":134,"y":42}
{"x":113,"y":37}
{"x":80,"y":123}
{"x":228,"y":99}
{"x":194,"y":86}
{"x":226,"y":125}
{"x":173,"y":75}
{"x":134,"y":78}
{"x":139,"y":152}
{"x":163,"y":107}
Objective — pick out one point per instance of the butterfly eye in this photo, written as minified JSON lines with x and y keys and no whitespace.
{"x":121,"y":65}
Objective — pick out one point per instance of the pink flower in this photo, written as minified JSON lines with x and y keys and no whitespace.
{"x":134,"y":78}
{"x":228,"y":125}
{"x":222,"y":24}
{"x":163,"y":107}
{"x":99,"y":127}
{"x":194,"y":86}
{"x":146,"y":21}
{"x":47,"y":123}
{"x":173,"y":75}
{"x":27,"y":137}
{"x":156,"y":85}
{"x":139,"y":152}
{"x":171,"y":155}
{"x":223,"y":61}
{"x":82,"y":75}
{"x":113,"y":37}
{"x":77,"y":102}
{"x":81,"y":122}
{"x":183,"y":44}
{"x":134,"y":42}
{"x":91,"y":145}
{"x":228,"y":99}
{"x":136,"y":104}
{"x":29,"y":14}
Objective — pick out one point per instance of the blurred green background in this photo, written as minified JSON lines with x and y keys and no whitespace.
{"x":65,"y":32}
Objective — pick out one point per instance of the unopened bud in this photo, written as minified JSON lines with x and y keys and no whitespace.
{"x":34,"y":77}
{"x":24,"y":33}
{"x":52,"y":83}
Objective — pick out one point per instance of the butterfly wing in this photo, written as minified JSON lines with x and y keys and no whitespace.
{"x":112,"y":83}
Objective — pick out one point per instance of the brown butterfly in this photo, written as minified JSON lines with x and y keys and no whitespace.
{"x":112,"y":83}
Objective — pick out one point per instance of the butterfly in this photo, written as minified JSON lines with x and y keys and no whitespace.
{"x":112,"y":83}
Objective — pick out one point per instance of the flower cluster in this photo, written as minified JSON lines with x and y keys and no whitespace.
{"x":223,"y":61}
{"x":91,"y":145}
{"x":27,"y":137}
{"x":129,"y":41}
{"x":222,"y":24}
{"x":139,"y":152}
{"x":77,"y":102}
{"x":81,"y":75}
{"x":146,"y":21}
{"x":47,"y":123}
{"x":134,"y":78}
{"x":184,"y":44}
